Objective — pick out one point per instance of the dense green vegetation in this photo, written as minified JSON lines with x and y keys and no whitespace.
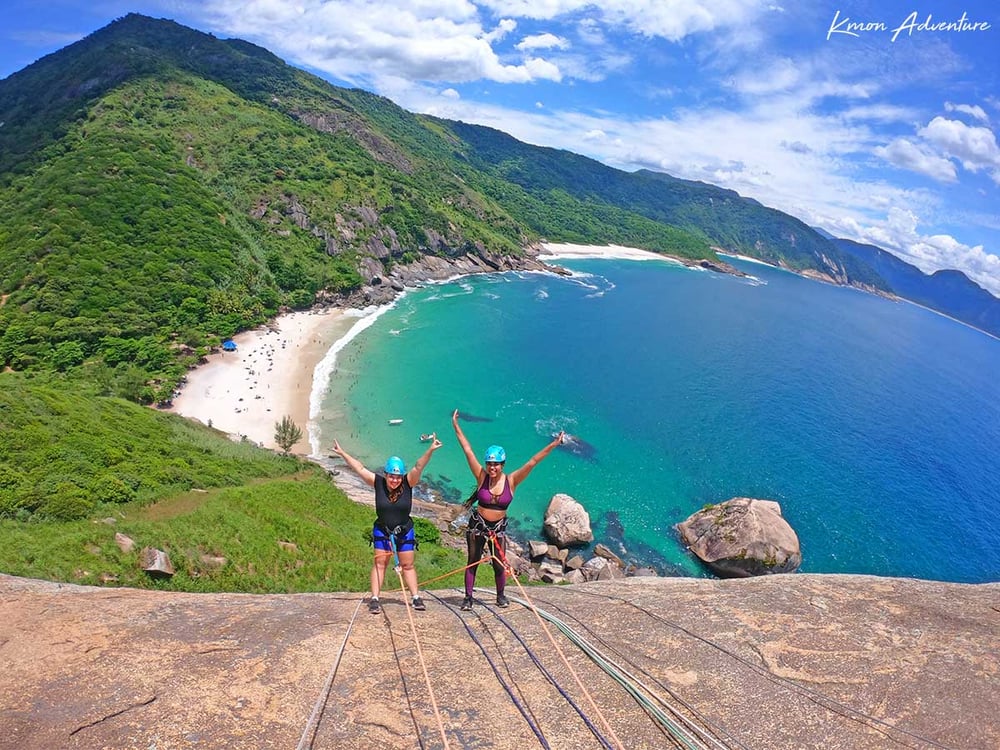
{"x":67,"y":453}
{"x":168,"y":189}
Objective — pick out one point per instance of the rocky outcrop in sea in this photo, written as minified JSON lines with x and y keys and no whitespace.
{"x":742,"y":537}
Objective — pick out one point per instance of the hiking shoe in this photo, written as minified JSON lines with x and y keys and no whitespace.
{"x":502,"y":601}
{"x":418,"y":604}
{"x":373,"y":606}
{"x":467,"y":604}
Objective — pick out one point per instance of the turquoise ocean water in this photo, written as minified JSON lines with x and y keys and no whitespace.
{"x":875,"y":424}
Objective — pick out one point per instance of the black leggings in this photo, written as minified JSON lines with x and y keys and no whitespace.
{"x":476,"y":543}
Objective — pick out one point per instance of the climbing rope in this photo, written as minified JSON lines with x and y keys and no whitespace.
{"x":423,"y":584}
{"x":683,"y":735}
{"x":541,"y":621}
{"x":496,"y":671}
{"x":555,"y":683}
{"x":309,"y":734}
{"x":488,"y":557}
{"x":720,"y":732}
{"x":814,"y":695}
{"x":416,"y":642}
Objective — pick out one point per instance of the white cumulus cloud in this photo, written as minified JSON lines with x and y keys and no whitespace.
{"x":542,"y":41}
{"x":906,"y":154}
{"x":972,"y":110}
{"x":974,"y":146}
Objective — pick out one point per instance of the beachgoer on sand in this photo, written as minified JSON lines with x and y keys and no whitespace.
{"x":392,"y":532}
{"x":488,"y":522}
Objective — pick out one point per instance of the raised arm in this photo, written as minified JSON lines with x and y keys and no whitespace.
{"x":367,"y":475}
{"x":474,"y":465}
{"x":521,"y":474}
{"x":413,"y":475}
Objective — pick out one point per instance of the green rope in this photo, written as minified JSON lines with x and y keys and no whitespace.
{"x":633,"y":686}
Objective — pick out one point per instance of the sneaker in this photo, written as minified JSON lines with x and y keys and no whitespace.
{"x":373,"y":606}
{"x":418,"y":604}
{"x":467,"y":604}
{"x":502,"y":601}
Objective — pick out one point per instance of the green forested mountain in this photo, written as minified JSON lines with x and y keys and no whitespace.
{"x":631,"y":201}
{"x":165,"y":188}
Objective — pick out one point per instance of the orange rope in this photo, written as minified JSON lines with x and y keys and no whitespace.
{"x":423,"y":584}
{"x":484,"y":559}
{"x":541,"y":622}
{"x":420,"y":655}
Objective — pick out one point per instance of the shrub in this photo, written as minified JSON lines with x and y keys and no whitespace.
{"x":426,"y":531}
{"x":68,"y":503}
{"x":108,"y":488}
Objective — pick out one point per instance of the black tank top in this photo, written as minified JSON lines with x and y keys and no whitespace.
{"x":390,"y":515}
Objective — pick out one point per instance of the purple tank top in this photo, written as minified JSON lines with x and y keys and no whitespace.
{"x":495,"y":502}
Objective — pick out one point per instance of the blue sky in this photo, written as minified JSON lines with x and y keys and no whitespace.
{"x":875,"y":121}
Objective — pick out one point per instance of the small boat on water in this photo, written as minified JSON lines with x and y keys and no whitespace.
{"x":426,"y":436}
{"x":395,"y":421}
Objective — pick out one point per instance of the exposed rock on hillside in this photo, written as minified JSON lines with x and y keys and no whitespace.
{"x":773,"y":662}
{"x":380,"y":288}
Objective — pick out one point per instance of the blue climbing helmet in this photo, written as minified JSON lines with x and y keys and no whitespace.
{"x":495,"y":455}
{"x":394,"y":465}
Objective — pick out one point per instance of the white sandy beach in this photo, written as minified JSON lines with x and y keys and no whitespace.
{"x":274,"y":369}
{"x":270,"y":375}
{"x":553,"y":250}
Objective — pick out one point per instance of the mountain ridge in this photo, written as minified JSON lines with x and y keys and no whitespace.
{"x":148,"y":148}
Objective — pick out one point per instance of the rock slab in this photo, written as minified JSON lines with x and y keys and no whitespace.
{"x":804,"y":661}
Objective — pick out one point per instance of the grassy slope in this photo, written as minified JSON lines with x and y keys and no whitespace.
{"x":70,"y":459}
{"x":243,"y":524}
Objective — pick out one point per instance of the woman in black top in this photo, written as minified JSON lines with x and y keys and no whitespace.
{"x":393,"y":524}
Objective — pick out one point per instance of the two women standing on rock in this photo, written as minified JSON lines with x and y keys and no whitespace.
{"x":393,"y":532}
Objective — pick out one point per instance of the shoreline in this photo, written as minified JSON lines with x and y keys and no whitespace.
{"x":284,"y":368}
{"x":552,"y":250}
{"x":270,"y":375}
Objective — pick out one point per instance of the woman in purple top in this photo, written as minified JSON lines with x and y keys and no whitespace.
{"x":393,"y":525}
{"x":492,"y":498}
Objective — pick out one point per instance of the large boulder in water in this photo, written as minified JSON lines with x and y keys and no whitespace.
{"x":742,"y":537}
{"x":566,"y":522}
